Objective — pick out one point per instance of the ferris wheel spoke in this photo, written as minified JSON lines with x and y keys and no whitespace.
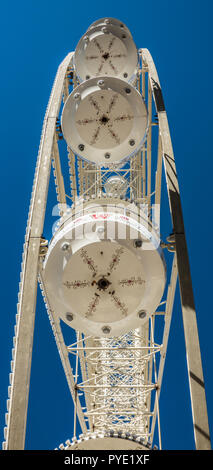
{"x":115,"y":260}
{"x":77,"y":284}
{"x":133,"y":281}
{"x":92,"y":306}
{"x":95,"y":136}
{"x":88,"y":260}
{"x":119,"y":304}
{"x":112,"y":102}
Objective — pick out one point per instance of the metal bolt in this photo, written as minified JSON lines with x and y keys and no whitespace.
{"x":142,"y":314}
{"x":100,"y":82}
{"x":171,"y":248}
{"x":69,"y":316}
{"x":65,"y":246}
{"x":81,"y":147}
{"x":43,"y":242}
{"x":100,"y":229}
{"x":138,"y":243}
{"x":171,"y":238}
{"x":43,"y":251}
{"x":77,"y":96}
{"x":106,"y":330}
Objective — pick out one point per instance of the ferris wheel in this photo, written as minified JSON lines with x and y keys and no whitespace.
{"x":106,"y":273}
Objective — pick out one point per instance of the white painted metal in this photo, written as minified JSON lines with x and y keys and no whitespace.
{"x":111,"y":21}
{"x":103,"y":441}
{"x":116,"y":186}
{"x":63,"y":352}
{"x":106,"y":51}
{"x":101,"y":266}
{"x":195,"y":372}
{"x":20,"y":375}
{"x":116,"y":388}
{"x":104,"y":120}
{"x":119,"y":376}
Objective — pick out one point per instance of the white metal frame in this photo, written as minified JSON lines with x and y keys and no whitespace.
{"x":135,"y":377}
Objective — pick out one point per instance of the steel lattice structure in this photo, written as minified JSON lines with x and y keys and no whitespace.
{"x":115,"y":382}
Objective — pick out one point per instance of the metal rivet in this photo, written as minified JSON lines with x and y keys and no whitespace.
{"x":69,"y":316}
{"x":132,"y":142}
{"x":77,"y":96}
{"x":142,"y":314}
{"x":125,"y":75}
{"x":101,"y":82}
{"x":106,"y":329}
{"x":128,"y":91}
{"x":107,"y":155}
{"x":65,"y":246}
{"x":138,"y":243}
{"x":81,"y":147}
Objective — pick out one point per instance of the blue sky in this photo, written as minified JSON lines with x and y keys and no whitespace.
{"x":35,"y":37}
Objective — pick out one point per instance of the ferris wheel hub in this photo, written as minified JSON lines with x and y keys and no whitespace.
{"x":106,"y":49}
{"x":104,"y":119}
{"x":102,"y":279}
{"x":116,"y":185}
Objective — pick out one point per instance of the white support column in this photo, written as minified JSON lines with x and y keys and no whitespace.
{"x":18,"y":403}
{"x":195,"y":372}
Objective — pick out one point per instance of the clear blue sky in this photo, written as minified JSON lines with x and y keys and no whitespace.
{"x":35,"y":37}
